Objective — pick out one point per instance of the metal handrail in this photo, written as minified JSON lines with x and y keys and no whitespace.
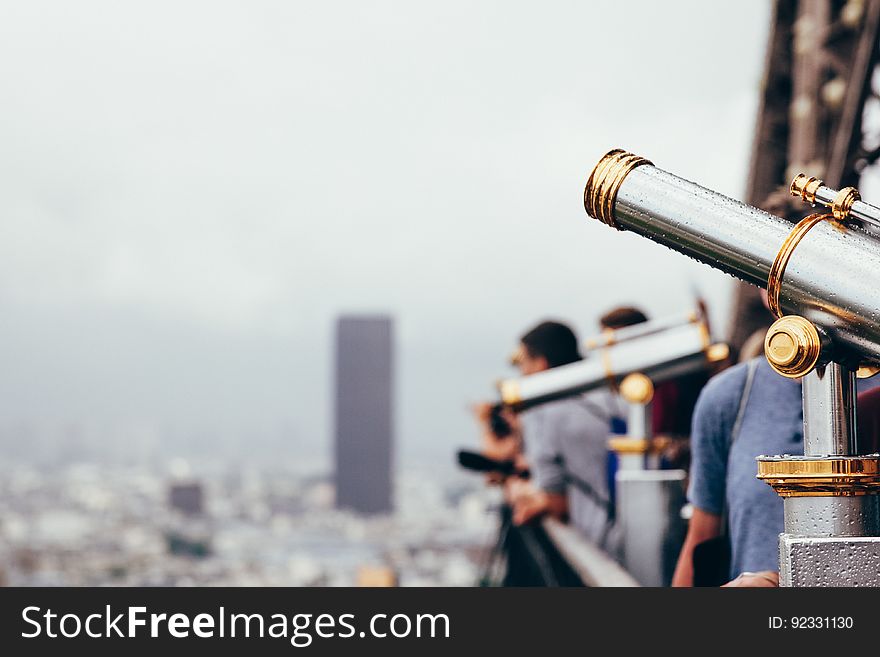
{"x":591,"y":564}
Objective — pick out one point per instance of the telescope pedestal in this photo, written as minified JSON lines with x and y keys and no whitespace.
{"x":829,"y":561}
{"x":649,"y":504}
{"x":830,"y":496}
{"x":649,"y":500}
{"x":830,"y":541}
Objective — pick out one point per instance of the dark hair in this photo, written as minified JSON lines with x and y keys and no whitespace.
{"x":621,"y":317}
{"x":554,"y":341}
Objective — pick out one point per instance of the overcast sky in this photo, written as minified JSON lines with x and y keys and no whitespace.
{"x":190,"y":192}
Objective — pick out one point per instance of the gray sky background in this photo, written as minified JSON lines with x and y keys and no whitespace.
{"x":190,"y":192}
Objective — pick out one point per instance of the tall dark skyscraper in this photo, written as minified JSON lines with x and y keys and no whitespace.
{"x":364,"y":401}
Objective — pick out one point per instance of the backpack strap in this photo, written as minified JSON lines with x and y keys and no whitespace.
{"x":743,"y":401}
{"x":751,"y":368}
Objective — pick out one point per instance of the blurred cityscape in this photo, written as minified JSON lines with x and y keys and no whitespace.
{"x":90,"y":505}
{"x":97,"y":520}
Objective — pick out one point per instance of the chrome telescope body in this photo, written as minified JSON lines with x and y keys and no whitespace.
{"x":659,"y":355}
{"x":832,"y":278}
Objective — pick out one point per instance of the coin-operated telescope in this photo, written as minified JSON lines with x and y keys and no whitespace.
{"x":822,"y":277}
{"x":661,"y":350}
{"x":631,"y":361}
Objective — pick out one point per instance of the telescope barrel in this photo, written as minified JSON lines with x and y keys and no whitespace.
{"x":659,"y":356}
{"x":831,"y":279}
{"x":609,"y":337}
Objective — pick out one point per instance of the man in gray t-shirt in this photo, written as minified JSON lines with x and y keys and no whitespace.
{"x":565,"y":443}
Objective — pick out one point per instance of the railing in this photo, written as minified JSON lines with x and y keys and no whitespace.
{"x":593,"y":566}
{"x":549,"y":553}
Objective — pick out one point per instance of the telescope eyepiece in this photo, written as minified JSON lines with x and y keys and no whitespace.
{"x":637,"y":388}
{"x":792,"y":346}
{"x":805,"y":187}
{"x":604,"y":181}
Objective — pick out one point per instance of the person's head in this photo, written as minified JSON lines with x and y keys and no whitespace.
{"x":549,"y":344}
{"x":622,"y":317}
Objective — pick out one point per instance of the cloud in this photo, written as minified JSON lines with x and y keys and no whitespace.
{"x":245,"y":171}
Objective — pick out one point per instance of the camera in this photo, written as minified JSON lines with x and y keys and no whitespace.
{"x":499,"y":426}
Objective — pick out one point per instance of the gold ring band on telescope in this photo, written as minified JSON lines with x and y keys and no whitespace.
{"x":843,"y":202}
{"x":510,"y":392}
{"x":600,"y":193}
{"x":625,"y":445}
{"x":777,"y":270}
{"x":805,"y":187}
{"x":834,"y":476}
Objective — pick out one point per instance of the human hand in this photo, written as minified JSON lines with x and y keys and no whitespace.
{"x":482,"y":411}
{"x":762,"y":579}
{"x":528,"y":503}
